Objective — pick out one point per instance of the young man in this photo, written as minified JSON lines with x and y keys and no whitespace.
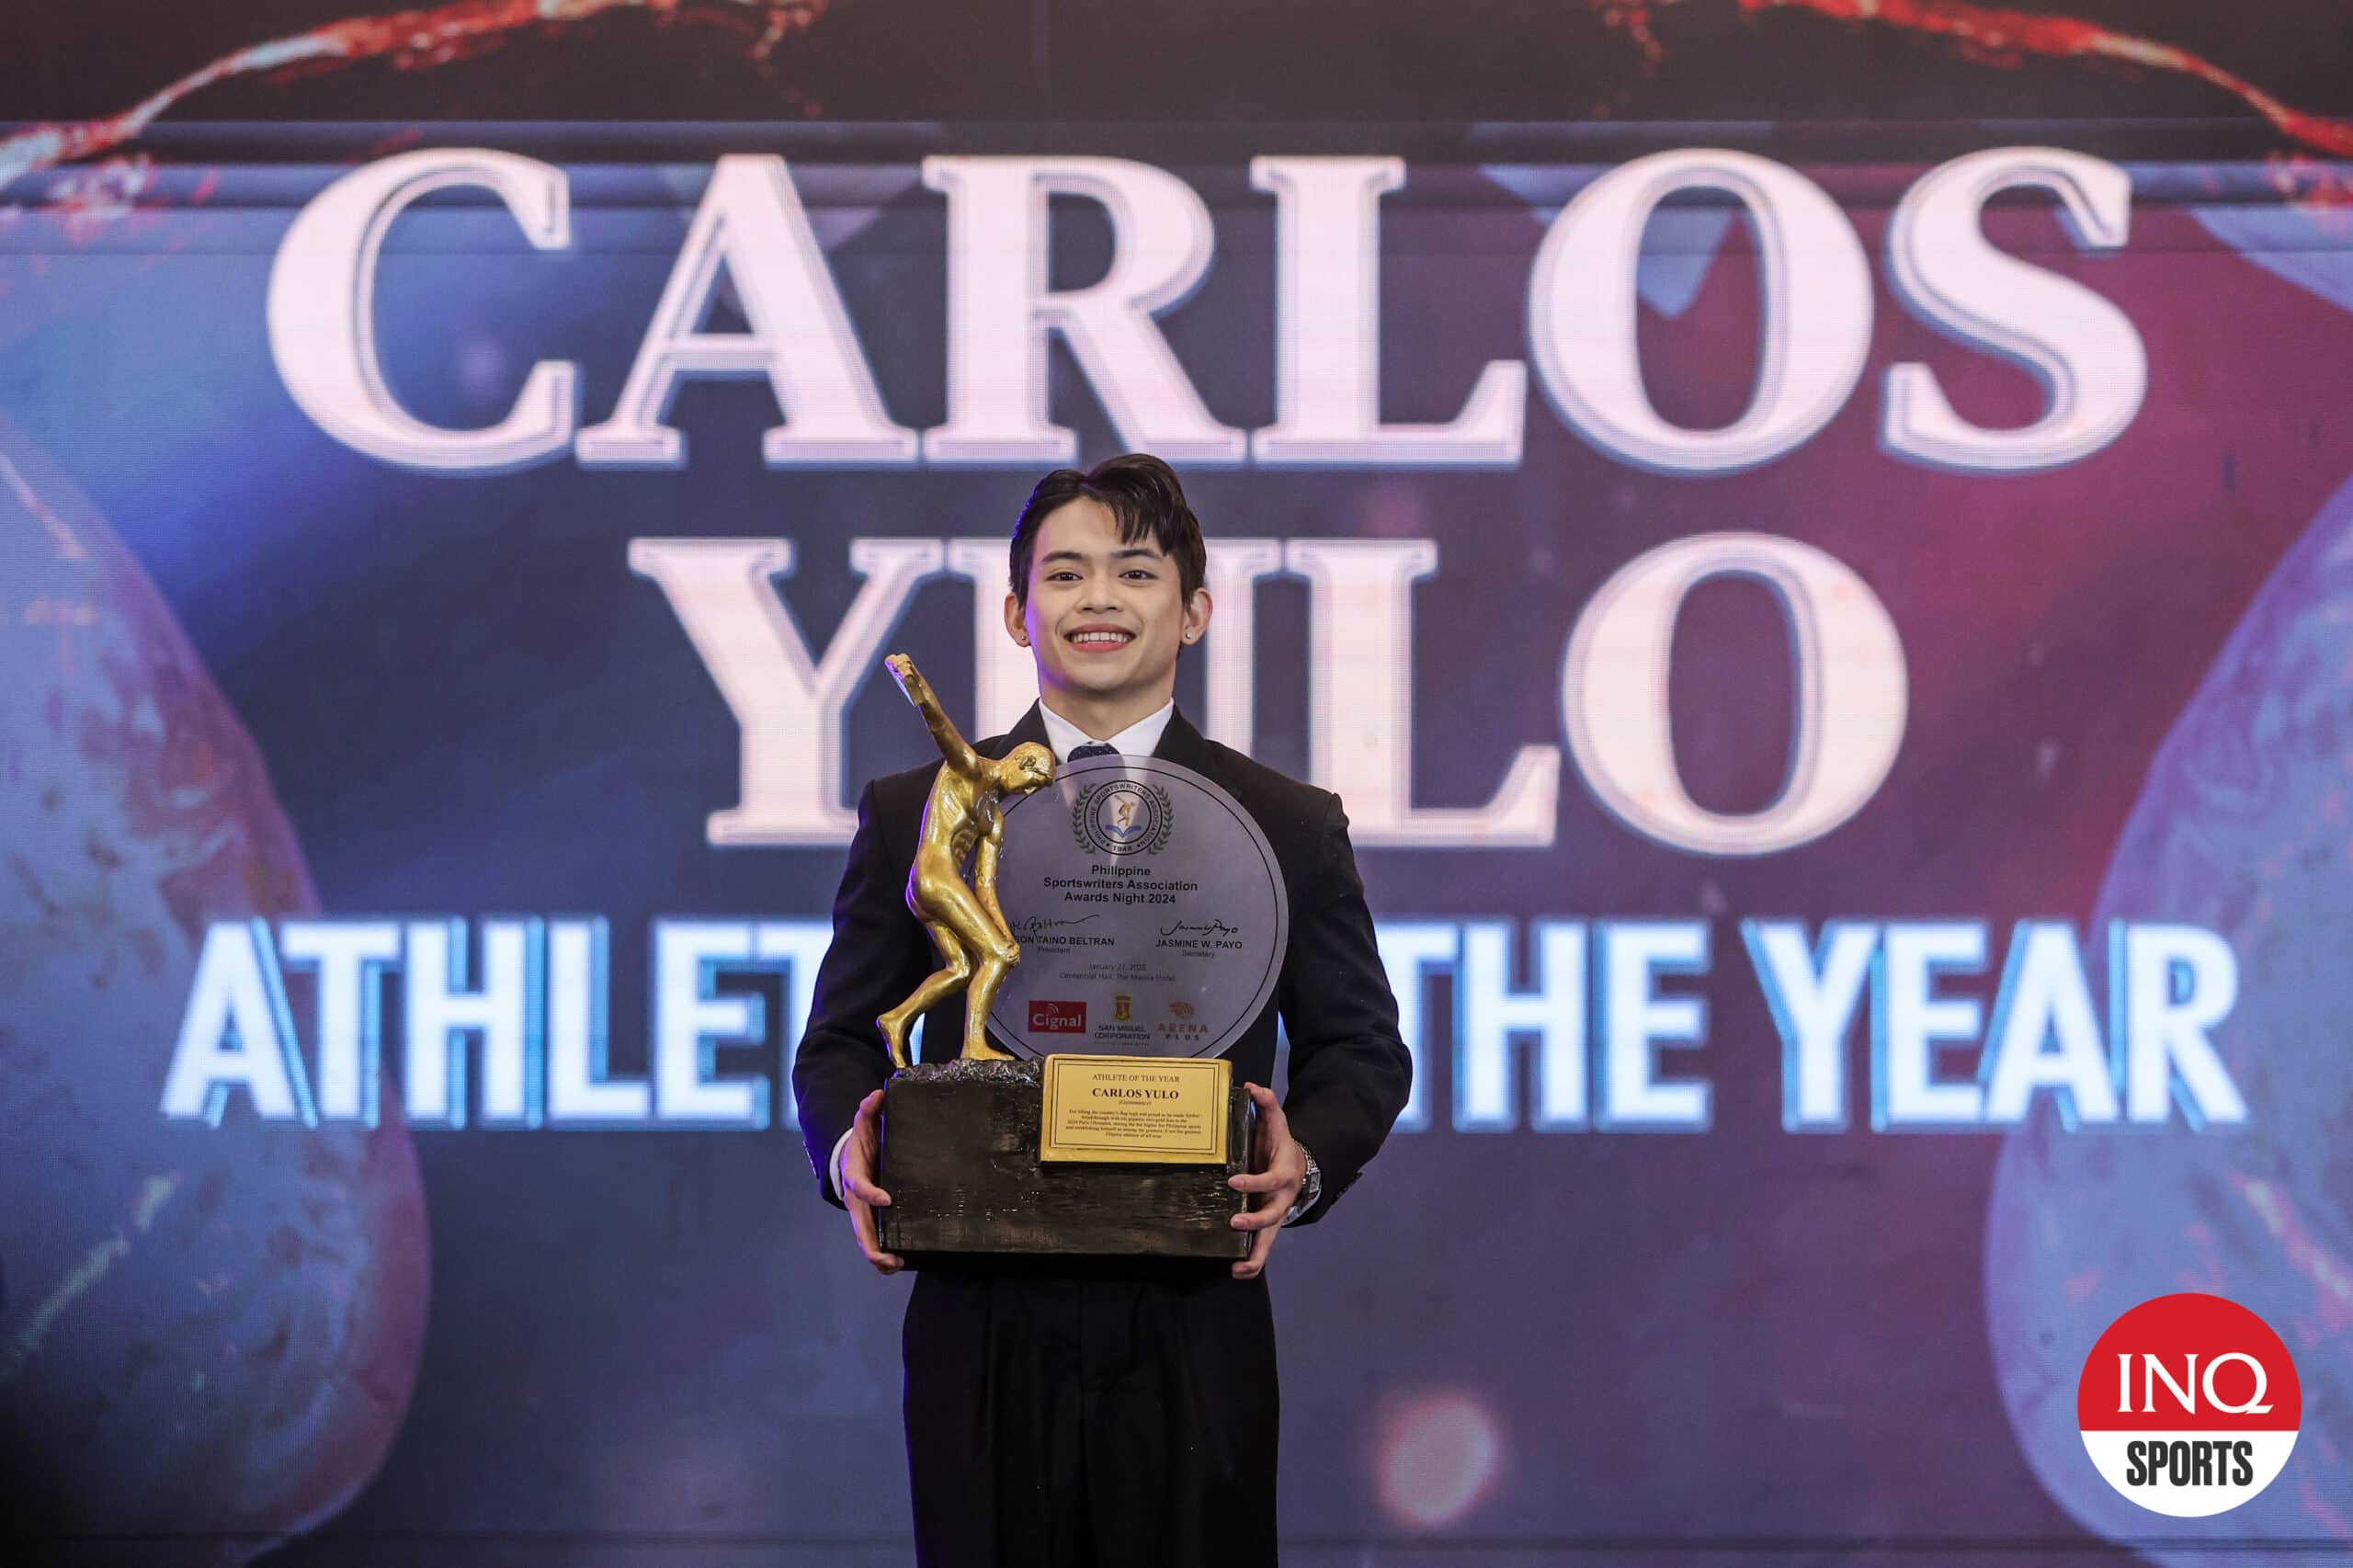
{"x":1073,"y":1413}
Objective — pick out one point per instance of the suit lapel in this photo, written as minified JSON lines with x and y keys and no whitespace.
{"x":1032,"y":727}
{"x":1183,"y":746}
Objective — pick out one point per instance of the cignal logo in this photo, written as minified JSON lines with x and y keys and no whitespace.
{"x":1057,"y":1017}
{"x":2189,"y":1405}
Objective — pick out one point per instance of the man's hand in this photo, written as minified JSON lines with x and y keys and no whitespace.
{"x":855,"y":1179}
{"x":1284,"y":1167}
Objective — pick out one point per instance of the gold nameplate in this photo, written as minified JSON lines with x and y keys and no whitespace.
{"x":1136,"y":1109}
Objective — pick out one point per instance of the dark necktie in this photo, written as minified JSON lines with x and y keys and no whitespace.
{"x":1081,"y":754}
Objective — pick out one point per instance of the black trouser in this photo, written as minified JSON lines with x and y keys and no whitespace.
{"x":1073,"y":1416}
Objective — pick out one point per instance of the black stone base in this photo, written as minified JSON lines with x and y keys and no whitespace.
{"x":959,"y":1161}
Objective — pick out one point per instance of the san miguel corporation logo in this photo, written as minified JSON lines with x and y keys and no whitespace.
{"x":2189,"y":1405}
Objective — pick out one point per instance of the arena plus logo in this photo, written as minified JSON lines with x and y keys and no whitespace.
{"x":2190,"y":1406}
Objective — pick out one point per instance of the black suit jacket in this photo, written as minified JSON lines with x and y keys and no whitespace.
{"x":1349,"y":1069}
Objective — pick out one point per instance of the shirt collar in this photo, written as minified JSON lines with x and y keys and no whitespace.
{"x":1138,"y":739}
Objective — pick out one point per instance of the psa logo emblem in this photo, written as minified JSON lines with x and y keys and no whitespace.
{"x":1123,"y":817}
{"x":1057,"y":1017}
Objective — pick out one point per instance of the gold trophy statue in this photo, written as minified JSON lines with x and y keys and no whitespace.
{"x":963,"y":818}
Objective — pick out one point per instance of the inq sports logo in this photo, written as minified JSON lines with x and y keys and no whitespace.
{"x":2189,"y":1405}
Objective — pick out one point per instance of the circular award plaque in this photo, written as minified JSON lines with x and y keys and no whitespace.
{"x":1150,"y":911}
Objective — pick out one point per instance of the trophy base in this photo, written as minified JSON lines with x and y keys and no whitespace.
{"x":959,"y":1160}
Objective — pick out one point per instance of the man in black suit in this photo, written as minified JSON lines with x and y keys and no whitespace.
{"x":1104,"y":1414}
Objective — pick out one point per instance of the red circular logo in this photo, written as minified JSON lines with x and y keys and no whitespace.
{"x":2189,"y":1405}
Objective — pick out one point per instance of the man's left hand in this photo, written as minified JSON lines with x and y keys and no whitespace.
{"x":1284,"y":1168}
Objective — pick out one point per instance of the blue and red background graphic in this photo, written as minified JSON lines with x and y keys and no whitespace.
{"x":258,"y":671}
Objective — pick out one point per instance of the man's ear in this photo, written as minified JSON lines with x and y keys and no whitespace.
{"x":1197,"y":615}
{"x":1016,"y":626}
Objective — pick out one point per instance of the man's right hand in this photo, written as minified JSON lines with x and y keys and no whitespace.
{"x":855,"y":1180}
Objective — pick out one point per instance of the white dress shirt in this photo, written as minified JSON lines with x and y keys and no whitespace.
{"x":1139,"y":739}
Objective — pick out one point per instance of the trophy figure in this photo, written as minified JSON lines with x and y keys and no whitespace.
{"x":963,"y":818}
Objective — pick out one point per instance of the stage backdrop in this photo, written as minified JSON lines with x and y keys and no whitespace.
{"x":1836,"y":641}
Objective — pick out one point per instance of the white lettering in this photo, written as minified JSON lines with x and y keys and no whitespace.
{"x":1000,"y":310}
{"x":790,"y":709}
{"x":351,"y":956}
{"x":1635,"y":1021}
{"x":2081,"y":349}
{"x":1815,"y":294}
{"x":1813,"y":995}
{"x":2179,"y":982}
{"x":1909,"y":1021}
{"x":581,"y":1090}
{"x":437,"y":1002}
{"x":237,"y":1033}
{"x":2044,"y":996}
{"x":750,"y":222}
{"x":1490,"y":1013}
{"x":1361,"y":712}
{"x":1852,"y":690}
{"x":322,"y":314}
{"x":690,"y":1024}
{"x":1327,"y":334}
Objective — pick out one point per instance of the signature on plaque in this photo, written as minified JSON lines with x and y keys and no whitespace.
{"x":1198,"y":928}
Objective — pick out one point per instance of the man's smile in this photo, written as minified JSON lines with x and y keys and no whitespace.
{"x":1098,"y":637}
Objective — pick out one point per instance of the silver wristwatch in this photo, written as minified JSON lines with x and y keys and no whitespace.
{"x":1311,"y":1186}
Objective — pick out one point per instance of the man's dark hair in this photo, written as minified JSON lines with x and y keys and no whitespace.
{"x":1142,"y":492}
